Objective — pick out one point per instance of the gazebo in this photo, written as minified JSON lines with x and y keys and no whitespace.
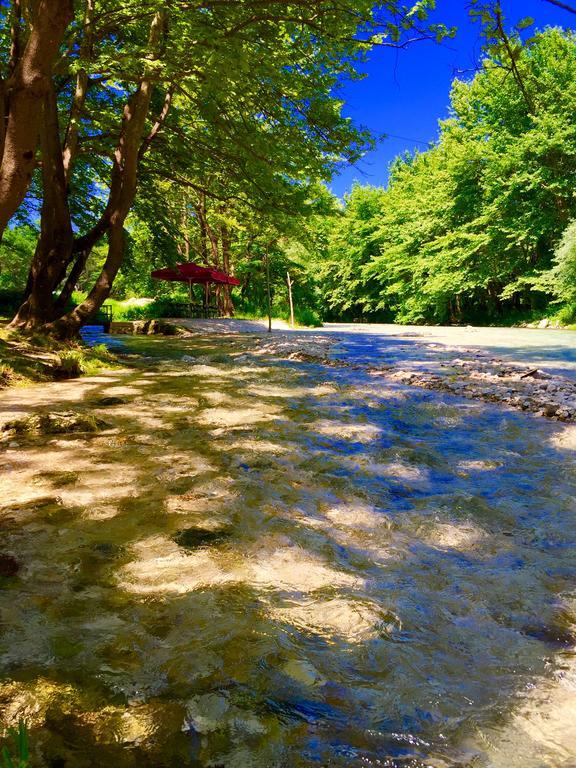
{"x":196,"y":274}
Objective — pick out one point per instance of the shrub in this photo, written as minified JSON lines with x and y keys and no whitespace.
{"x":308,"y":317}
{"x":159,"y":308}
{"x":70,"y":365}
{"x":7,"y":375}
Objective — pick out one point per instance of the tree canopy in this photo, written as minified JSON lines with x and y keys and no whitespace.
{"x":465,"y":230}
{"x":233,"y":101}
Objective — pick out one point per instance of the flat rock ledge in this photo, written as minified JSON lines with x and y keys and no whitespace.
{"x":494,"y":381}
{"x":474,"y":375}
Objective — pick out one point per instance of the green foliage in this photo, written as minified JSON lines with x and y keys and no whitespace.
{"x":16,"y":251}
{"x":466,"y":232}
{"x":16,"y":754}
{"x":70,"y":364}
{"x":307,"y":317}
{"x":157,"y":309}
{"x":561,"y":278}
{"x":243,"y":109}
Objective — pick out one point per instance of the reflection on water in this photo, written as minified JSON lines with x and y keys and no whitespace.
{"x":288,"y":565}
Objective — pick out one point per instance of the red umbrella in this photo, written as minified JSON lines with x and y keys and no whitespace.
{"x":194,"y":273}
{"x":199,"y":274}
{"x":168,"y":273}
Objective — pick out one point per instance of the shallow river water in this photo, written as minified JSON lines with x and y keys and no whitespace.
{"x":277,"y":564}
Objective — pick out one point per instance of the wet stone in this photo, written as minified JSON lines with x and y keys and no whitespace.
{"x":553,"y":634}
{"x":57,"y":423}
{"x":107,"y":401}
{"x":9,"y":566}
{"x":58,"y":479}
{"x":106,"y":550}
{"x":193,"y":538}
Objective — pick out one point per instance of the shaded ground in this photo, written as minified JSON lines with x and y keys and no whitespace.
{"x":282,"y":563}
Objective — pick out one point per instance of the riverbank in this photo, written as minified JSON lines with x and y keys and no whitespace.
{"x":465,"y":372}
{"x":36,"y":359}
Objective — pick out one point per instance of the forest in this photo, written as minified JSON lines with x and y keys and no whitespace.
{"x":475,"y":229}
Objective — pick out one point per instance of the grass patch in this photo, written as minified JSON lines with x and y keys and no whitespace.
{"x":16,"y":754}
{"x":37,"y":358}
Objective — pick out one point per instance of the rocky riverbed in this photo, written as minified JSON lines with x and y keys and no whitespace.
{"x":267,"y":552}
{"x":479,"y":376}
{"x":469,"y":373}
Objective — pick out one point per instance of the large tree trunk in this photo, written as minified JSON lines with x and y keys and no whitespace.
{"x":25,"y":91}
{"x":122,"y":193}
{"x":67,"y":326}
{"x":54,"y":248}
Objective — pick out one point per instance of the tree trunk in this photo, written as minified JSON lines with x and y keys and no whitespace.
{"x":54,"y":249}
{"x":73,"y":129}
{"x":184,"y":244}
{"x":67,"y":326}
{"x":201,"y":213}
{"x":227,"y":303}
{"x":268,"y":292}
{"x":25,"y":93}
{"x":289,"y":284}
{"x":122,"y":193}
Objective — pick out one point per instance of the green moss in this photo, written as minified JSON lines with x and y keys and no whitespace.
{"x":58,"y":479}
{"x":56,"y":423}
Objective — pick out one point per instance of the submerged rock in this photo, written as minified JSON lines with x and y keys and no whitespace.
{"x":9,"y":566}
{"x":56,"y":423}
{"x":192,"y":538}
{"x":106,"y":401}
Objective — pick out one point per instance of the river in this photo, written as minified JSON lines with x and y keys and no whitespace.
{"x":282,"y":564}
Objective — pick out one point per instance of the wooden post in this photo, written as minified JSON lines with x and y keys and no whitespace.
{"x":268,"y":293}
{"x":289,"y":281}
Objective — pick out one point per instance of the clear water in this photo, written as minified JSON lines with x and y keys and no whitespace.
{"x":290,"y":565}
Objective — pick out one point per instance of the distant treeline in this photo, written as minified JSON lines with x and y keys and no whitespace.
{"x":477,"y":228}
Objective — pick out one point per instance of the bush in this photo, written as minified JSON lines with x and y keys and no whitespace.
{"x":7,"y":375}
{"x":308,"y":317}
{"x":159,"y":308}
{"x":70,"y":365}
{"x":566,"y":315}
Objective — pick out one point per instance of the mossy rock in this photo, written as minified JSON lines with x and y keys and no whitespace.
{"x":162,"y":328}
{"x":57,"y":479}
{"x":111,"y":400}
{"x":57,"y":423}
{"x":193,"y":538}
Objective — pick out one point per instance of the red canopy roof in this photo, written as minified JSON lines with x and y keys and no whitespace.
{"x":194,"y":273}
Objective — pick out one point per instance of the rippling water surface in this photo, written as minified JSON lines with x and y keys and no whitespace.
{"x":290,"y":565}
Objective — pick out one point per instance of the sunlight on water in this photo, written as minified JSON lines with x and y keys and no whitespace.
{"x":288,"y":565}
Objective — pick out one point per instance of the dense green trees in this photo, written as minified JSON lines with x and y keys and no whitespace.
{"x":467,"y":230}
{"x":229,"y":100}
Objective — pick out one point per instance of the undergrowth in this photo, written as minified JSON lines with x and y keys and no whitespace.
{"x":15,"y":754}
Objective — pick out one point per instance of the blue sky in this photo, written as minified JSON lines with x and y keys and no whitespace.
{"x":406,"y":92}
